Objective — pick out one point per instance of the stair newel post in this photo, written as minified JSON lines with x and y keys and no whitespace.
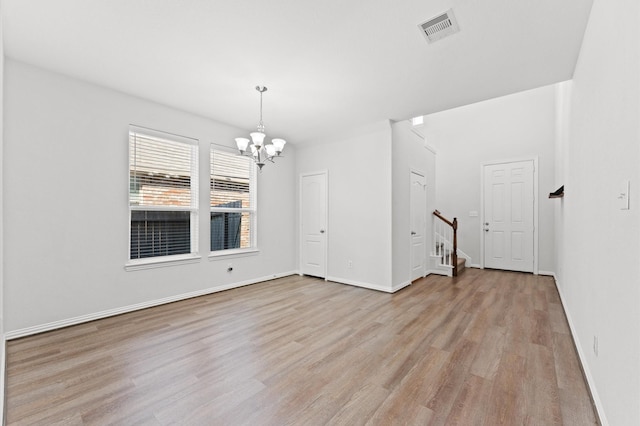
{"x":455,"y":247}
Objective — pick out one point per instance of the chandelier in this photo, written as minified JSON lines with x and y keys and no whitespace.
{"x":256,"y":148}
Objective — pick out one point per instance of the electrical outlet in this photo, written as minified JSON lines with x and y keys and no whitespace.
{"x":623,"y":196}
{"x":595,"y":345}
{"x":350,"y":264}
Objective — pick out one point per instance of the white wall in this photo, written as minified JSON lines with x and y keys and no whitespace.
{"x":409,"y":153}
{"x":359,"y":210}
{"x":516,"y":126}
{"x":599,"y":276}
{"x":563,"y":111}
{"x":2,"y":338}
{"x":66,"y":210}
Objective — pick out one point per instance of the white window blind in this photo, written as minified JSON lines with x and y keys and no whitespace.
{"x":233,"y":201}
{"x":163,"y":194}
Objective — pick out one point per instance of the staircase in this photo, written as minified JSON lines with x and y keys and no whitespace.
{"x":445,"y":259}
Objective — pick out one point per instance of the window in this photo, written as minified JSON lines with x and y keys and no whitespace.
{"x":163,"y":194}
{"x":233,"y":201}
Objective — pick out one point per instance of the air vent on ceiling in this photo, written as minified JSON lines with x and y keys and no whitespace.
{"x":439,"y":27}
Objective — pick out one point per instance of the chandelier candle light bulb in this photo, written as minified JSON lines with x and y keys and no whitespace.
{"x":256,"y":148}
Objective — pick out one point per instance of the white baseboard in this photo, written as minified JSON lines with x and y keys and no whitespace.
{"x":474,"y":265}
{"x":361,"y":284}
{"x":400,"y":286}
{"x":549,"y":273}
{"x":585,"y":367}
{"x":28,"y":331}
{"x":437,"y":272}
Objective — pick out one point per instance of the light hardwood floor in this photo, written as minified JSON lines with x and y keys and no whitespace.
{"x":487,"y":348}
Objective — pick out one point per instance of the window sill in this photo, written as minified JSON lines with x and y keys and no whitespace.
{"x":214,"y":255}
{"x":161,"y":262}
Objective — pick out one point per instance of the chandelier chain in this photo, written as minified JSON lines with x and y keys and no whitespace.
{"x":261,"y":125}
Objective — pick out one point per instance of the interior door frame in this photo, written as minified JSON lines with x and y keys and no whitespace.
{"x":413,"y":171}
{"x":326,"y":234}
{"x":535,"y":206}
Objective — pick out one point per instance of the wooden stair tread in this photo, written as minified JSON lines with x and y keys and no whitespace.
{"x":460,"y":265}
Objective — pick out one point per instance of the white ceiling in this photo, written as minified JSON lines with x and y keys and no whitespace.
{"x":329,"y":65}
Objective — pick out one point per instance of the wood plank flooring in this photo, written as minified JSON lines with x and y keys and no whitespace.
{"x":486,"y":348}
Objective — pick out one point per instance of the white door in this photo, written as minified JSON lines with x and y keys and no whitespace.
{"x":418,"y":224}
{"x":509,"y":216}
{"x":313,"y":224}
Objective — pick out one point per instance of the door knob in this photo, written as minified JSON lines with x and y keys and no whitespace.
{"x":322,"y":231}
{"x":413,"y":233}
{"x":486,"y":229}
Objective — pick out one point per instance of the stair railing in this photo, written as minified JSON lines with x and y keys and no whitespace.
{"x":445,"y":238}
